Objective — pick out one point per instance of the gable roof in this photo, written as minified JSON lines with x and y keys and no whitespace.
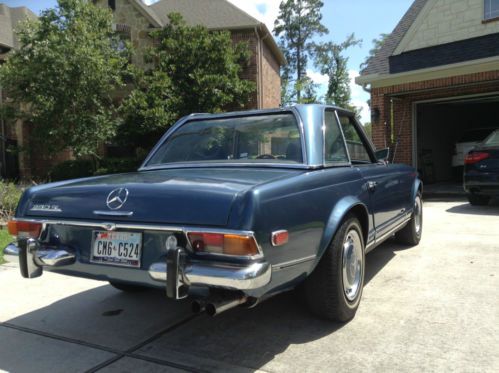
{"x":379,"y":63}
{"x":216,"y":15}
{"x":148,"y":13}
{"x":9,"y":19}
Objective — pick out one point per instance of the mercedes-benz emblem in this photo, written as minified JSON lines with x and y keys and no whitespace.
{"x":117,"y":198}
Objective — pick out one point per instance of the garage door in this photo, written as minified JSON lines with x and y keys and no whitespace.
{"x":447,"y":129}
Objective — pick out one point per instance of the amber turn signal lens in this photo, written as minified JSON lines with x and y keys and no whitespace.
{"x":239,"y":245}
{"x":24,"y":229}
{"x":227,"y":244}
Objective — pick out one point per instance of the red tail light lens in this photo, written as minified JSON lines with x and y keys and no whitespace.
{"x":474,"y":157}
{"x":227,"y":244}
{"x":24,"y":229}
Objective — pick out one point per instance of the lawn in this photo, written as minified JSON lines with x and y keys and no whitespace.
{"x":5,"y":239}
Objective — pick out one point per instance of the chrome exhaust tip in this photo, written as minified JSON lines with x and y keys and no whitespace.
{"x":216,"y":308}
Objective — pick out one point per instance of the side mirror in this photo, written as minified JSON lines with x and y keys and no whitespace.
{"x":383,"y":155}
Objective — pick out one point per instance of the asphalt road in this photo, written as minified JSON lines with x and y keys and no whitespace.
{"x":434,"y":307}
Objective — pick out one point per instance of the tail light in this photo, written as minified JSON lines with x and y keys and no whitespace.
{"x":227,"y":244}
{"x":474,"y":157}
{"x":24,"y":229}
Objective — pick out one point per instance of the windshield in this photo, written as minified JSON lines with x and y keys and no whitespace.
{"x":493,"y":139}
{"x":270,"y":138}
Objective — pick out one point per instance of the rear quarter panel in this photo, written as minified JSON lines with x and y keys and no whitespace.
{"x":309,"y":206}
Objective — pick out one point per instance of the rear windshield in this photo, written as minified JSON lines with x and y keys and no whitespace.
{"x":475,"y":135}
{"x":256,"y":139}
{"x":493,"y":139}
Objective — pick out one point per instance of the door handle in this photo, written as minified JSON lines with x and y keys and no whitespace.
{"x":371,"y":185}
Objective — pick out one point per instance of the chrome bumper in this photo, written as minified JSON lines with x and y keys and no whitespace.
{"x":177,"y":274}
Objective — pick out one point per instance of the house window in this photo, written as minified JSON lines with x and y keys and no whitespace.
{"x":112,"y":4}
{"x":491,"y":9}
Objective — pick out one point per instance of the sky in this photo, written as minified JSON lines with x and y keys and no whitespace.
{"x":365,"y":18}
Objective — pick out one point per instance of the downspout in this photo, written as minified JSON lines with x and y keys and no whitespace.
{"x":259,"y":71}
{"x":262,"y":40}
{"x":3,"y":170}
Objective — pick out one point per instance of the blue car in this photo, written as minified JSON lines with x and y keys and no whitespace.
{"x":481,"y":171}
{"x":231,"y":209}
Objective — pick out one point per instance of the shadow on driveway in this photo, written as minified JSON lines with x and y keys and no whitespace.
{"x":491,"y":210}
{"x":107,"y":320}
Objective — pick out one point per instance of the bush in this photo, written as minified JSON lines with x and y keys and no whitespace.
{"x":72,"y":169}
{"x":10,"y":194}
{"x":75,"y":169}
{"x":117,"y":165}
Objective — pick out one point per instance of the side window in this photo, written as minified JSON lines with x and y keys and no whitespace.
{"x":335,"y":151}
{"x":356,"y":147}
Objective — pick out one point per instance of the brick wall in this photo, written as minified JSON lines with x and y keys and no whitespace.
{"x":250,"y":71}
{"x":271,"y":80}
{"x":404,"y":95}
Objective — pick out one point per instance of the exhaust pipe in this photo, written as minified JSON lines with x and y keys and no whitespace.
{"x":215,"y":307}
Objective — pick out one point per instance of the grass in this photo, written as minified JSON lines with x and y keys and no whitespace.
{"x":5,"y":239}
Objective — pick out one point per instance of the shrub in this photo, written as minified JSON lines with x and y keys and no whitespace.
{"x":10,"y":194}
{"x":72,"y":169}
{"x":117,"y":165}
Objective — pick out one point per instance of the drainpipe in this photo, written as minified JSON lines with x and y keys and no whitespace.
{"x":2,"y":123}
{"x":259,"y":71}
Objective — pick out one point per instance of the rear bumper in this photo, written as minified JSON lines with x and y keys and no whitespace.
{"x":176,"y":273}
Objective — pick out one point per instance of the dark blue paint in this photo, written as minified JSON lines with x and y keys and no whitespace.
{"x":308,"y":200}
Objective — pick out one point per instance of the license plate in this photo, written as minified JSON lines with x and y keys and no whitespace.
{"x":117,"y":248}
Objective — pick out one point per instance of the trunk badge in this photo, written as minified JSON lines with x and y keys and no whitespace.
{"x":117,"y":198}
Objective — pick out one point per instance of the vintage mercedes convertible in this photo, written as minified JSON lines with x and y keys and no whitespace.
{"x":233,"y":208}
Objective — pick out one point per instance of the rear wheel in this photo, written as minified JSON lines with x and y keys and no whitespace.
{"x":412,"y":232}
{"x":334,"y":289}
{"x":478,"y":200}
{"x":128,"y":288}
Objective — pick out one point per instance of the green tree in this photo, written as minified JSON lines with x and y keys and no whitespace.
{"x":298,"y":22}
{"x":377,"y":44}
{"x":331,"y":61}
{"x":195,"y":70}
{"x":63,"y":77}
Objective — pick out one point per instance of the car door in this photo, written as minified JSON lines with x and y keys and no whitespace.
{"x":383,"y":181}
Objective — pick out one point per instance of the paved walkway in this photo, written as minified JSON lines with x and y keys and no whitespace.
{"x":432,"y":307}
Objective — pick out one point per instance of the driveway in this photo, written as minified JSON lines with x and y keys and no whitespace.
{"x":432,"y":307}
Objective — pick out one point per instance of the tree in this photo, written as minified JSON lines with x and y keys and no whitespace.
{"x":195,"y":70}
{"x":330,"y":61}
{"x":298,"y":22}
{"x":63,"y":77}
{"x":377,"y":44}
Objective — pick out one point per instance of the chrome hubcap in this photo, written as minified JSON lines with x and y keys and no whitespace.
{"x":418,"y":215}
{"x":352,"y":264}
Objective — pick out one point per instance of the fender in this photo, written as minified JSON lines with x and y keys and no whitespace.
{"x":341,"y":208}
{"x":418,"y":184}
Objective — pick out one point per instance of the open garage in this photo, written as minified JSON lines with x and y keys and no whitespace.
{"x":446,"y":129}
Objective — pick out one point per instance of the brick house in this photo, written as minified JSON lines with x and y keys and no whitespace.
{"x":435,"y":81}
{"x":9,"y":134}
{"x":134,"y":21}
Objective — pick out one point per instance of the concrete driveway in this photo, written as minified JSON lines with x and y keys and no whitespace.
{"x":434,"y":307}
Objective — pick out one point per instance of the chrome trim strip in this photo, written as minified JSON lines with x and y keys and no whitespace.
{"x":378,"y":241}
{"x":152,"y":227}
{"x":113,"y":213}
{"x":284,"y":265}
{"x":254,"y":276}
